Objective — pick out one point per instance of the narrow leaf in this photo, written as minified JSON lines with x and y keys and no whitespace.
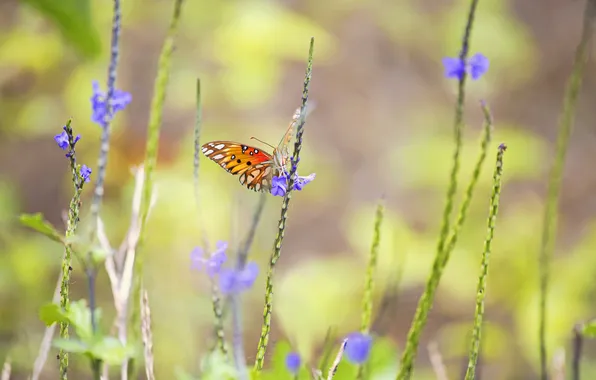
{"x":39,"y":224}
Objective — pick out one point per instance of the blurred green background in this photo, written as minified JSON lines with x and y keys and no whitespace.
{"x":382,"y":124}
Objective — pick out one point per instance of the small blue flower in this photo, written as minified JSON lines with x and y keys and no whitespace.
{"x":85,"y":173}
{"x":293,"y":362}
{"x":279,"y":184}
{"x":476,"y":66}
{"x":454,"y":67}
{"x":303,"y":181}
{"x":235,"y":281}
{"x":358,"y":347}
{"x":213,"y":264}
{"x":62,"y":140}
{"x":98,"y":103}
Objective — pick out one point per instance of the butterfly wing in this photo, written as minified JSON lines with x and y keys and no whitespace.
{"x":252,"y":164}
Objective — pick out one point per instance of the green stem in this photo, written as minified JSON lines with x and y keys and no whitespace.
{"x":155,"y":121}
{"x":481,"y":291}
{"x":367,"y":299}
{"x":550,"y":214}
{"x":74,"y":210}
{"x":439,"y":264}
{"x":266,"y":327}
{"x":463,"y":211}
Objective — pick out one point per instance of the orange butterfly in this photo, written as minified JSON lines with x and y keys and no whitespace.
{"x":256,"y":167}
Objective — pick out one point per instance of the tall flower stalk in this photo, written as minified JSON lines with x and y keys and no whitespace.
{"x":367,"y":299}
{"x":458,"y":68}
{"x":481,"y":291}
{"x":268,"y":309}
{"x":153,"y":129}
{"x":554,"y":187}
{"x":106,"y":117}
{"x":80,"y":175}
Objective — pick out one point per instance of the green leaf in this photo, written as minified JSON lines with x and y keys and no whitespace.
{"x":52,"y":313}
{"x":181,"y":374}
{"x":80,"y":317}
{"x":99,"y":255}
{"x":39,"y":224}
{"x":384,"y":357}
{"x":73,"y":19}
{"x":71,"y":345}
{"x":111,"y":351}
{"x":589,"y":329}
{"x":215,"y":366}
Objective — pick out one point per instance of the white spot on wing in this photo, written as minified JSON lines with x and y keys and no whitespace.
{"x":218,"y":157}
{"x":208,"y":152}
{"x":219,"y":146}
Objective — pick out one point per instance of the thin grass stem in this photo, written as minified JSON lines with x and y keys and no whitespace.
{"x":367,"y":299}
{"x":481,"y":290}
{"x":426,"y":300}
{"x":566,"y":122}
{"x":154,"y":127}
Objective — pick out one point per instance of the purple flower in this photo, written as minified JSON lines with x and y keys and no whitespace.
{"x":62,"y":140}
{"x":358,"y":347}
{"x":279,"y":184}
{"x":85,"y":173}
{"x":293,"y":362}
{"x":212,"y":264}
{"x":98,"y":103}
{"x":303,"y":181}
{"x":235,"y":281}
{"x":476,"y":66}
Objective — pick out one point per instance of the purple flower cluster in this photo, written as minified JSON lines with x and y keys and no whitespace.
{"x":475,"y":66}
{"x":279,"y":184}
{"x":119,"y":102}
{"x":230,"y":280}
{"x":66,"y":141}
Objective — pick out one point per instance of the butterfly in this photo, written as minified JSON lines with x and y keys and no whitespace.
{"x":255,"y":167}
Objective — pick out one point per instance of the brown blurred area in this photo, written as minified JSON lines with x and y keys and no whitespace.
{"x":379,"y":91}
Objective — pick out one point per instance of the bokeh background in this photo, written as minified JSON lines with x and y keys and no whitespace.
{"x":382,"y":125}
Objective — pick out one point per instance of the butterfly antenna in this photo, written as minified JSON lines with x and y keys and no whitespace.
{"x":261,"y":141}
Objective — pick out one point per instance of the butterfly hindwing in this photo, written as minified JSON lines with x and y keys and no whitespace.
{"x":253,"y":165}
{"x":258,"y":177}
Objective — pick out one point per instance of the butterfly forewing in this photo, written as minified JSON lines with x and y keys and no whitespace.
{"x":252,"y":164}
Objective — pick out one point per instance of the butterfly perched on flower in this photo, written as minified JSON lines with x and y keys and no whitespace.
{"x":256,"y":167}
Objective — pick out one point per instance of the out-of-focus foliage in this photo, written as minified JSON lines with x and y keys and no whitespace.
{"x":73,"y":19}
{"x":382,"y":125}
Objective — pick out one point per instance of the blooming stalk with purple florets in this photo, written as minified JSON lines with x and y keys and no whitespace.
{"x":275,"y":255}
{"x":458,"y":68}
{"x":228,"y":281}
{"x":80,"y":175}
